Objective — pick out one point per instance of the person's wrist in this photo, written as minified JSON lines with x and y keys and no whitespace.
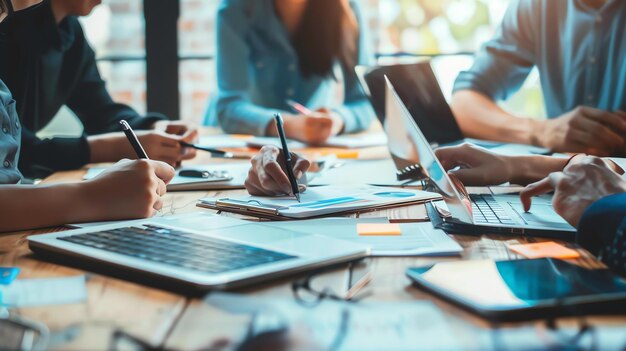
{"x":79,"y":202}
{"x":537,"y":130}
{"x":515,"y":169}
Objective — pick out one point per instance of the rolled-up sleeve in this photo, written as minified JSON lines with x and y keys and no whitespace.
{"x":357,"y":112}
{"x":235,"y":110}
{"x":503,"y":63}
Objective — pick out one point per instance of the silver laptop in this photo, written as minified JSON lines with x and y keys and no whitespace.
{"x":465,"y":213}
{"x":201,"y":251}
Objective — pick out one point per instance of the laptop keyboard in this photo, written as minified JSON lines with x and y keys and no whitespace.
{"x":486,"y":209}
{"x":178,"y":248}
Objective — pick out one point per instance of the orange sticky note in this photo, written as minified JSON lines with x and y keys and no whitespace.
{"x":382,"y":229}
{"x":548,"y":249}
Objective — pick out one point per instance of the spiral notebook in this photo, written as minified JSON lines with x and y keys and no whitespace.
{"x":320,"y":202}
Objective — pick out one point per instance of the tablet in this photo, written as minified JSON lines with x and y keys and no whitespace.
{"x":520,"y":290}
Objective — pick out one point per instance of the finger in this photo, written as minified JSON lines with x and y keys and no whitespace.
{"x":161,"y":187}
{"x":158,"y":204}
{"x":190,"y":136}
{"x":302,"y":165}
{"x":597,"y":135}
{"x":543,"y":186}
{"x":610,"y":119}
{"x":453,"y":156}
{"x":280,"y":181}
{"x":163,"y":171}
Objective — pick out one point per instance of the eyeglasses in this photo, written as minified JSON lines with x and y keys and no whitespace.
{"x":355,"y":282}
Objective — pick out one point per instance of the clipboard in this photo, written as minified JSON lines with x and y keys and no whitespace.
{"x":321,"y":202}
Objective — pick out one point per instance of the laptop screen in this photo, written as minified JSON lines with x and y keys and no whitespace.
{"x":418,"y":88}
{"x":408,"y":146}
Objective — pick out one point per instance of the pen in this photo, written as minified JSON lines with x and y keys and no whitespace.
{"x":134,"y":142}
{"x":283,"y":140}
{"x":298,"y":107}
{"x":212,"y":151}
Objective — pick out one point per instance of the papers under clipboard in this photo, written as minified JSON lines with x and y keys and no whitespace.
{"x":320,"y":202}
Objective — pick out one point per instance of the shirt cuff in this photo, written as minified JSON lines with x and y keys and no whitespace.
{"x":600,"y":221}
{"x":350,"y":124}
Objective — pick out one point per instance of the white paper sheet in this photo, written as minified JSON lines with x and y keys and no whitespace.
{"x":417,"y":239}
{"x":44,"y":291}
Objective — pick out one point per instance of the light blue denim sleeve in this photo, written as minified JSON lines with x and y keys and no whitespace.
{"x":235,"y":111}
{"x":357,"y":112}
{"x":503,"y":63}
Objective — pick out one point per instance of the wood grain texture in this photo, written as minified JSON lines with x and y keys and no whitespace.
{"x":166,"y":319}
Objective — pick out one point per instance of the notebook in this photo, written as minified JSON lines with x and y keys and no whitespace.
{"x":320,"y":201}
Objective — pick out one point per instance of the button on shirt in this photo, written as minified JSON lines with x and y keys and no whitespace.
{"x":258,"y":71}
{"x":10,"y":137}
{"x":579,"y":51}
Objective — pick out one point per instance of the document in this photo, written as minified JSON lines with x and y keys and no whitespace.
{"x":416,"y":239}
{"x":372,"y":172}
{"x":44,"y":291}
{"x":331,"y":325}
{"x":225,"y":176}
{"x":320,"y":201}
{"x":224,"y":141}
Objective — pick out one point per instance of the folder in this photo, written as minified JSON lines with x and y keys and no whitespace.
{"x":320,"y":202}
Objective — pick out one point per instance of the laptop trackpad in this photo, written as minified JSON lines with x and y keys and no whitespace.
{"x":540,"y":215}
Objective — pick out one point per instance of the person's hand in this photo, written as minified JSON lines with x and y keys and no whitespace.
{"x":314,"y":128}
{"x":267,"y":176}
{"x":474,"y":165}
{"x":586,"y":130}
{"x":165,"y":147}
{"x":127,"y":190}
{"x":581,"y":183}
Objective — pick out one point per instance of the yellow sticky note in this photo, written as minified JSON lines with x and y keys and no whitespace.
{"x":382,"y":229}
{"x":548,"y":249}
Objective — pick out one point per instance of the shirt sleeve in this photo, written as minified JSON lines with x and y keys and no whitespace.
{"x":357,"y":112}
{"x":94,"y":106}
{"x":502,"y":65}
{"x":601,"y":231}
{"x":235,"y":110}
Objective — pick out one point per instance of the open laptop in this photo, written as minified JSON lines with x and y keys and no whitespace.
{"x":464,"y":213}
{"x":199,"y":251}
{"x":418,"y":88}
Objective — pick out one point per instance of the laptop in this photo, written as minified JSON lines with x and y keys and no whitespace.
{"x":418,"y":88}
{"x":198,"y":251}
{"x":464,"y":213}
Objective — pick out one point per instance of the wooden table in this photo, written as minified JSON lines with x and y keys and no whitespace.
{"x":174,"y":321}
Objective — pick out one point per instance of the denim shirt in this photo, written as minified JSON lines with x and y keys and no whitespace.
{"x":10,"y":137}
{"x":580,"y":53}
{"x":257,"y":72}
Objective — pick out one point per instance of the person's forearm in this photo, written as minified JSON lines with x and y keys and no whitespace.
{"x":479,"y":117}
{"x":27,"y":207}
{"x":530,"y":169}
{"x":108,"y":148}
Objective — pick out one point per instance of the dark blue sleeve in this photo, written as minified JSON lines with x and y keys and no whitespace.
{"x":601,"y":231}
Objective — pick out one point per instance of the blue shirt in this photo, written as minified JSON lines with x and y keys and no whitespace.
{"x":580,"y":53}
{"x":257,"y":72}
{"x":10,"y":137}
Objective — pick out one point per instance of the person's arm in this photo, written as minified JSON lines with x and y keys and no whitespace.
{"x":235,"y":111}
{"x":130,"y":189}
{"x":499,"y":70}
{"x":357,"y":112}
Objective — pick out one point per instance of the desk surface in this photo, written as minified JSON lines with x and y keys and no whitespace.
{"x":174,"y":321}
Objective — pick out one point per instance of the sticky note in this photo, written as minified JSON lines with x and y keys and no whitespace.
{"x":8,"y":275}
{"x":382,"y":229}
{"x":548,"y":249}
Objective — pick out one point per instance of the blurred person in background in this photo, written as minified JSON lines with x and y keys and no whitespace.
{"x":272,"y":51}
{"x":47,"y":63}
{"x":579,"y":48}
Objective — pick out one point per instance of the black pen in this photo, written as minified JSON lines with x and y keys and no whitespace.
{"x":283,"y":140}
{"x":212,"y":151}
{"x":134,"y":142}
